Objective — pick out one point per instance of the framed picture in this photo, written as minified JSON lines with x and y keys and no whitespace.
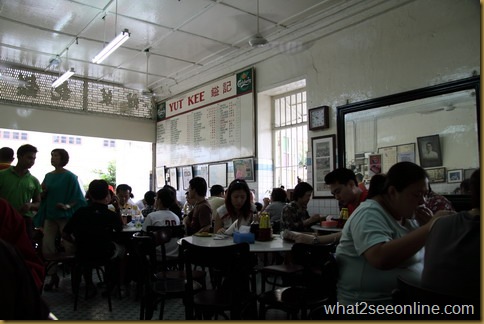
{"x":160,"y":177}
{"x":429,"y":151}
{"x":187,"y":175}
{"x":388,"y":157}
{"x":201,"y":170}
{"x":468,"y":173}
{"x":244,"y":169}
{"x":319,"y":118}
{"x":324,"y":161}
{"x":217,"y":174}
{"x":406,"y":152}
{"x":436,"y":174}
{"x":173,"y":178}
{"x":454,"y":176}
{"x":374,"y":164}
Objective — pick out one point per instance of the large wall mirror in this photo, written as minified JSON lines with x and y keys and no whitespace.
{"x":436,"y":127}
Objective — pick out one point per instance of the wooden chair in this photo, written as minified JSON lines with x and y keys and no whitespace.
{"x":313,"y":278}
{"x":156,"y":281}
{"x":409,"y":293}
{"x":230,"y":276}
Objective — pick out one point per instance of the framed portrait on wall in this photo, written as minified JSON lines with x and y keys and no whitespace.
{"x":429,"y":151}
{"x":201,"y":170}
{"x":374,"y":164}
{"x":324,"y":161}
{"x":187,"y":175}
{"x":244,"y":169}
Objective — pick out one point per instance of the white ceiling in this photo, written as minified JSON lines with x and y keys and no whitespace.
{"x":190,"y":41}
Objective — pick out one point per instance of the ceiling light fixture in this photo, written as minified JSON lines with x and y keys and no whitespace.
{"x":112,"y":46}
{"x":63,"y":78}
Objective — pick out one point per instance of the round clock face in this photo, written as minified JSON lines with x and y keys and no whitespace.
{"x":317,"y":118}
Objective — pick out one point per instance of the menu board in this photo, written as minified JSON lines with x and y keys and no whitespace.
{"x":199,"y":128}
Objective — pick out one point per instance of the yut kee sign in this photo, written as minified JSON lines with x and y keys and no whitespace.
{"x":233,"y":86}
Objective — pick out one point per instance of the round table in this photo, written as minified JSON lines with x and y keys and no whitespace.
{"x":277,"y":244}
{"x":320,"y":228}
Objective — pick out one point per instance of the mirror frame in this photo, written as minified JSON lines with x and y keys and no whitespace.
{"x":431,"y":91}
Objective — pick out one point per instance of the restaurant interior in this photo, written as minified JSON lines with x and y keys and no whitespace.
{"x":199,"y":84}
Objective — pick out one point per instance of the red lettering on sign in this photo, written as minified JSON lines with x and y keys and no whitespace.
{"x":196,"y":98}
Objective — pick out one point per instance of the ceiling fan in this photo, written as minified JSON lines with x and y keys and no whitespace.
{"x":258,"y":40}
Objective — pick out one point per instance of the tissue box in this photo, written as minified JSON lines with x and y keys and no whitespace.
{"x":244,"y":237}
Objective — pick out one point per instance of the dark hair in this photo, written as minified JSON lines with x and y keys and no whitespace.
{"x":278,"y":194}
{"x":98,"y":189}
{"x":24,"y":149}
{"x":200,"y":186}
{"x":6,"y":154}
{"x":465,"y":186}
{"x":403,"y":174}
{"x":125,"y":187}
{"x":377,"y":183}
{"x":150,"y":197}
{"x":340,"y":175}
{"x":64,"y":156}
{"x":165,"y":196}
{"x":475,"y":188}
{"x":258,"y":206}
{"x":216,"y":190}
{"x":238,"y":184}
{"x":300,"y":190}
{"x":359,"y":177}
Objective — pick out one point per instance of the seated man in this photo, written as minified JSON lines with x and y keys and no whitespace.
{"x":200,"y":217}
{"x":344,"y":187}
{"x":124,"y":201}
{"x":92,"y":228}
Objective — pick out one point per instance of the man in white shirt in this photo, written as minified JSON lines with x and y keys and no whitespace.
{"x":217,"y":197}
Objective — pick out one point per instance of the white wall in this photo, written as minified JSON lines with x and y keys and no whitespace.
{"x":419,"y":44}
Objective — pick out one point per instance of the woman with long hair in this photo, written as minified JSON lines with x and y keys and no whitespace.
{"x":237,"y":210}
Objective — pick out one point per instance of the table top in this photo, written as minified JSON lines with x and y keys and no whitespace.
{"x":275,"y":245}
{"x":132,"y":229}
{"x":320,"y":228}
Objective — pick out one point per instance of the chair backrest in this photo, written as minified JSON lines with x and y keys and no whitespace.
{"x":231,"y":264}
{"x":162,"y":235}
{"x":408,"y":293}
{"x":320,"y":269}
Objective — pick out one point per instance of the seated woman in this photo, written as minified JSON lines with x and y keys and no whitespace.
{"x":381,"y":241}
{"x":452,"y":251}
{"x":237,"y":210}
{"x":275,"y":204}
{"x":295,"y":216}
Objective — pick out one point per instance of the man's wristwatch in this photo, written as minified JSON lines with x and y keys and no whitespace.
{"x":68,"y":206}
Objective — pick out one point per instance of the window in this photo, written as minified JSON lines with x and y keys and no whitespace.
{"x":290,"y":138}
{"x":24,"y":136}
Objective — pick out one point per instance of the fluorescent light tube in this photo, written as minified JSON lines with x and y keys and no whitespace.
{"x":63,"y":78}
{"x":112,"y":46}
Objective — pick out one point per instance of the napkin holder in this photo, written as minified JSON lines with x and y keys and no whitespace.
{"x":244,"y":237}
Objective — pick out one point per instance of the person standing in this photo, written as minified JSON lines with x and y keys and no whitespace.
{"x":61,"y":197}
{"x":6,"y":157}
{"x":20,"y":188}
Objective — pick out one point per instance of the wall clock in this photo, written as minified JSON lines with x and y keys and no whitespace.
{"x":319,"y":118}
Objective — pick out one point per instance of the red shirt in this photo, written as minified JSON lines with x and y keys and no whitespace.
{"x":351,"y":207}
